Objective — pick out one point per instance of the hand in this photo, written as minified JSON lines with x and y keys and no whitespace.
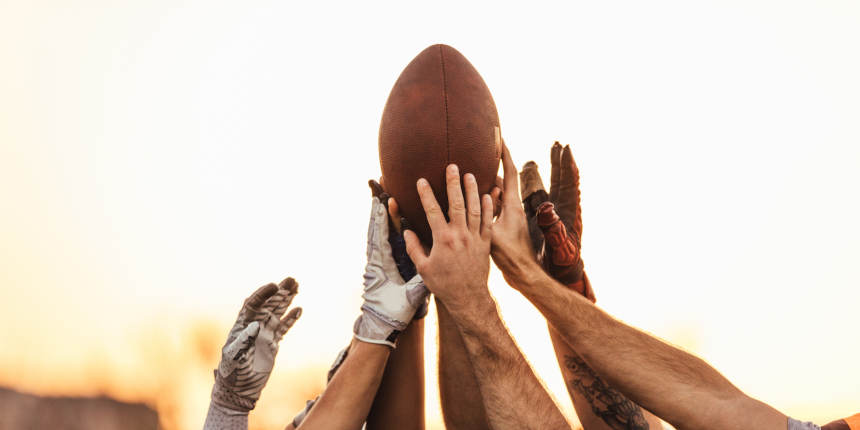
{"x":512,"y":249}
{"x":555,"y":220}
{"x":458,"y":265}
{"x":389,"y":302}
{"x":248,"y":356}
{"x":405,"y":266}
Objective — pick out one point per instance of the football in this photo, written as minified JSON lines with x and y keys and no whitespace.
{"x":439,"y":112}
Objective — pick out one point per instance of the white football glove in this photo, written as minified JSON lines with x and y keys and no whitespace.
{"x":389,"y":301}
{"x":248,"y":356}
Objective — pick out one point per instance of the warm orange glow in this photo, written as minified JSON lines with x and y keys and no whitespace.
{"x":159,"y":161}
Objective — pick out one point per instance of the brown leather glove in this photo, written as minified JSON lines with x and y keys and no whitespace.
{"x":555,"y":219}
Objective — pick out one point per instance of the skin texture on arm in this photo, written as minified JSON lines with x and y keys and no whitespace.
{"x":462,"y":405}
{"x":678,"y":387}
{"x":456,"y":270}
{"x":399,"y":402}
{"x":347,"y":398}
{"x":555,"y":228}
{"x":597,"y":404}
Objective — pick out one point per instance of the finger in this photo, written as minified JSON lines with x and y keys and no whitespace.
{"x":555,"y":172}
{"x":279,"y":303}
{"x":256,"y":300}
{"x":530,"y":180}
{"x":510,"y":179}
{"x":431,"y":206}
{"x":290,"y":285}
{"x":473,"y":203}
{"x":379,"y":235}
{"x":394,"y":214}
{"x":287,"y":322}
{"x":243,"y":342}
{"x":568,"y":187}
{"x":456,"y":205}
{"x":496,"y":195}
{"x":486,"y":216}
{"x":414,"y":248}
{"x":375,"y":188}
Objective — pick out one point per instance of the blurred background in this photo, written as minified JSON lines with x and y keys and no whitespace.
{"x":159,"y":160}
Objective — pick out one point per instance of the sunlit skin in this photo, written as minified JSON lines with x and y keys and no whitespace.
{"x":678,"y":387}
{"x":456,"y":271}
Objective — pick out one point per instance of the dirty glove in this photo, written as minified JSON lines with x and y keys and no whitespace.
{"x":248,"y":356}
{"x":405,"y":266}
{"x":555,"y":219}
{"x":389,"y":301}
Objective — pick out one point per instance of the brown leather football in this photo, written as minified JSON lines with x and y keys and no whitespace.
{"x":439,"y":112}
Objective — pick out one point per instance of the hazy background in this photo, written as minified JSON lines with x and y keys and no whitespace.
{"x":159,"y":160}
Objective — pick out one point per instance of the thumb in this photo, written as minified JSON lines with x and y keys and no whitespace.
{"x":287,"y":322}
{"x":233,"y":352}
{"x":414,"y":248}
{"x":416,"y":291}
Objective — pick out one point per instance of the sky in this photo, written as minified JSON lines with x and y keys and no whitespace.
{"x":160,"y":160}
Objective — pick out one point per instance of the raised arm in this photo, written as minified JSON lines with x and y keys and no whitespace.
{"x":555,"y":228}
{"x":456,"y":271}
{"x":390,"y":302}
{"x":678,"y":387}
{"x":248,"y":356}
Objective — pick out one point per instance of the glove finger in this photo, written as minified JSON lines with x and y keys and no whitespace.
{"x":243,"y":342}
{"x":567,"y":201}
{"x":555,"y":172}
{"x":287,"y":322}
{"x":416,"y":291}
{"x":290,"y":285}
{"x":255,"y":301}
{"x":382,"y":253}
{"x":280,"y":302}
{"x":375,"y":188}
{"x":371,"y":226}
{"x":530,"y":180}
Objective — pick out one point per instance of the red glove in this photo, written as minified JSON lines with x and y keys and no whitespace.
{"x":555,"y":220}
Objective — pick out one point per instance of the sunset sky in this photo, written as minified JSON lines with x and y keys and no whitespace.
{"x":159,"y":160}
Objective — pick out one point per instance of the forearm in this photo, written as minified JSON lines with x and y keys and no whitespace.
{"x":678,"y":387}
{"x":598,"y":405}
{"x":399,"y":402}
{"x":512,"y":394}
{"x":216,"y":419}
{"x":346,"y":401}
{"x":462,"y":406}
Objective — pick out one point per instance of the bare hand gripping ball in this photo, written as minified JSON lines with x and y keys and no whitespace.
{"x":440,"y":111}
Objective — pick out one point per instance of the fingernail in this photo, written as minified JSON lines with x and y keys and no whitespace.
{"x":453,"y":169}
{"x":470,"y":177}
{"x":422,"y":182}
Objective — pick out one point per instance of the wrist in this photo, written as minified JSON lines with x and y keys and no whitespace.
{"x":522,"y":272}
{"x":473,"y":313}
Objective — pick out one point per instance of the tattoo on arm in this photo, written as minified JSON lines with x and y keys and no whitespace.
{"x":612,"y":407}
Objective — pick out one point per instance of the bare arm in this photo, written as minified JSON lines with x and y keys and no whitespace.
{"x":598,"y":405}
{"x":513,"y":396}
{"x":456,"y":271}
{"x":399,"y":402}
{"x":346,"y":400}
{"x":462,"y":405}
{"x":677,"y":386}
{"x":555,"y":227}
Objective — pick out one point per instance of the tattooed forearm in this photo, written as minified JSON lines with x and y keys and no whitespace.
{"x":611,"y":406}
